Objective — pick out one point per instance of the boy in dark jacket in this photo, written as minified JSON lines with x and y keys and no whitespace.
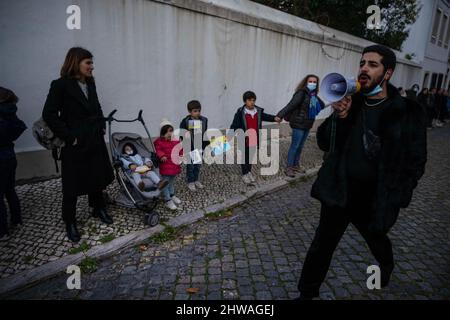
{"x":197,"y":125}
{"x":11,"y":128}
{"x":249,"y":118}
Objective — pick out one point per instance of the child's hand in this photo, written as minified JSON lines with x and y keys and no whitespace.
{"x":163,"y":159}
{"x":278,"y":119}
{"x":133,"y":167}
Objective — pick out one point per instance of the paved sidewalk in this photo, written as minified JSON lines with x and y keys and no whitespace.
{"x":42,"y":238}
{"x":257,"y":250}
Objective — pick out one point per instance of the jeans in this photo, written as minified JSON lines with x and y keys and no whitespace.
{"x":69,"y":205}
{"x":298,"y":141}
{"x":192,"y":172}
{"x":332,"y":225}
{"x":169,"y":190}
{"x":7,"y":183}
{"x":246,"y":167}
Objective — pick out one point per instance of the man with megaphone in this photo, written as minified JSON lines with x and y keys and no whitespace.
{"x":375,"y":144}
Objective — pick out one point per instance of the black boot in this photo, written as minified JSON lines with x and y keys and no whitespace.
{"x":103,"y":215}
{"x":72,"y":232}
{"x":386,"y":272}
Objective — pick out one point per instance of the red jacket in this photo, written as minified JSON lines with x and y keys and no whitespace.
{"x":164,"y":149}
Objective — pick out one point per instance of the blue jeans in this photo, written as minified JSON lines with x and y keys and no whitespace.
{"x":298,"y":141}
{"x":192,"y":172}
{"x":169,"y":190}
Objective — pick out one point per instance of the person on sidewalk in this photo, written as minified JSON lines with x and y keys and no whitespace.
{"x":72,"y":111}
{"x":197,"y":125}
{"x":11,"y":127}
{"x":432,"y":104}
{"x":249,"y":118}
{"x":301,"y":113}
{"x":166,"y":149}
{"x":424,"y":99}
{"x":439,"y":104}
{"x":376,"y":153}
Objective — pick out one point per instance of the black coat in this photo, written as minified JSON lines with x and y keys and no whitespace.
{"x":184,"y":124}
{"x":402,"y":158}
{"x":11,"y":127}
{"x":240,"y":123}
{"x":296,"y":111}
{"x":86,"y":166}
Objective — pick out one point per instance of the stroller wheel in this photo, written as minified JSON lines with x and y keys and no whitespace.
{"x":151,"y":219}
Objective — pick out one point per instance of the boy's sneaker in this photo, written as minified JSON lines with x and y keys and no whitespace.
{"x":162,"y":184}
{"x":199,"y":185}
{"x":191,"y":186}
{"x":176,"y":200}
{"x":5,"y":237}
{"x":171,"y":205}
{"x":246,"y":179}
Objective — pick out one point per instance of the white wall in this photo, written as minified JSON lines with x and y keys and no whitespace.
{"x":157,"y":57}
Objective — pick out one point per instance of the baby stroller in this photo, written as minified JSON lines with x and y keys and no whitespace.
{"x":129,"y":194}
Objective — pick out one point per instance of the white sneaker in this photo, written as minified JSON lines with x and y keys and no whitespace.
{"x":251,"y":177}
{"x":191,"y":186}
{"x":171,"y":205}
{"x":199,"y":185}
{"x":246,"y":179}
{"x":176,"y":200}
{"x":439,"y":124}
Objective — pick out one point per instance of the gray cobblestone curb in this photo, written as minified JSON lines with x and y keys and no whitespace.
{"x":33,"y":276}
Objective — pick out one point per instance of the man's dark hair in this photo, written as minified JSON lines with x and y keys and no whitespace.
{"x":193,"y":105}
{"x":249,"y":95}
{"x":389,"y":60}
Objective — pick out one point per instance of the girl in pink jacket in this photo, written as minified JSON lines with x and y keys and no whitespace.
{"x":169,"y":166}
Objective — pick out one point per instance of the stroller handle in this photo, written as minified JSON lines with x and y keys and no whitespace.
{"x":110,"y":116}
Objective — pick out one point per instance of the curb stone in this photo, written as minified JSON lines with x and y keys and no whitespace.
{"x":49,"y":270}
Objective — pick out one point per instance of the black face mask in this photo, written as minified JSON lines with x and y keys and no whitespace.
{"x":371,"y":142}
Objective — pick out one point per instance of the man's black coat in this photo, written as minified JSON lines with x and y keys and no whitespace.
{"x":401,"y":162}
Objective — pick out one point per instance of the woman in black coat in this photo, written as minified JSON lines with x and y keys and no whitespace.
{"x":73,"y":113}
{"x":11,"y":128}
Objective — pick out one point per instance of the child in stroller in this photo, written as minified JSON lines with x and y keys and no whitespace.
{"x":139,"y":167}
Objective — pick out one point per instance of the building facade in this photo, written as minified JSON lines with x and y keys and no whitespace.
{"x":429,"y":41}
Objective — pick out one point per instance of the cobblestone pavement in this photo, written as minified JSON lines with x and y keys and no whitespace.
{"x":42,"y":237}
{"x":257,"y":251}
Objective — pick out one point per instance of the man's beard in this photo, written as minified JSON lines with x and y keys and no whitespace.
{"x":372,"y":86}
